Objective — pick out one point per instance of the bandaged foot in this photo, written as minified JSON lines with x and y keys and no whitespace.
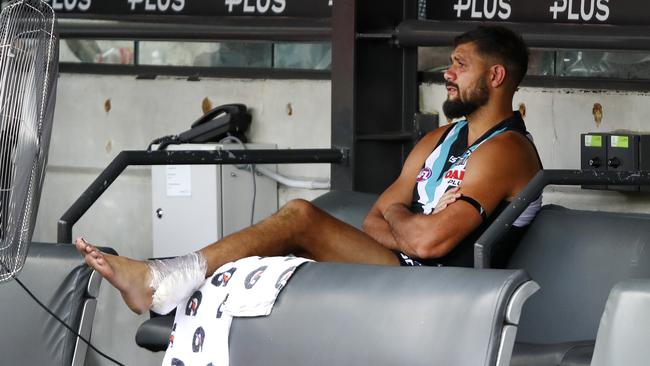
{"x":174,"y":280}
{"x":158,"y":285}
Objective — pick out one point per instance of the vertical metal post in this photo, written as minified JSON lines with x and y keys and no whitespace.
{"x":344,"y":89}
{"x":410,"y":85}
{"x":374,"y":92}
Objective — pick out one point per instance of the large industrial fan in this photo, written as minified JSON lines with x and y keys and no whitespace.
{"x":28,"y":77}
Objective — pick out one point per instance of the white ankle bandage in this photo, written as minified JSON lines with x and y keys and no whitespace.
{"x":174,"y":280}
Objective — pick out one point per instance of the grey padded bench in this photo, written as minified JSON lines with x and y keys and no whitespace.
{"x":625,"y":326}
{"x":342,"y":314}
{"x":576,"y":257}
{"x":58,"y":276}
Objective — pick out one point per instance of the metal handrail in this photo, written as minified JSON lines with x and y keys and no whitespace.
{"x":193,"y":157}
{"x":484,"y":246}
{"x":213,"y":29}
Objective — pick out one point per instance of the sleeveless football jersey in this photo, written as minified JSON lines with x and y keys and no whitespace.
{"x":444,"y":169}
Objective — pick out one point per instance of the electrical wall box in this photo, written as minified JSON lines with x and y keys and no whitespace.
{"x":615,"y":151}
{"x":623,"y":155}
{"x":644,"y":157}
{"x":195,"y":205}
{"x":593,"y":154}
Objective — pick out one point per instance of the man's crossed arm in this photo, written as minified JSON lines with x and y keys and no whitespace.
{"x":496,"y":171}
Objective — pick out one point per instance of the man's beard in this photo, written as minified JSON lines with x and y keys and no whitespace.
{"x":476,"y":98}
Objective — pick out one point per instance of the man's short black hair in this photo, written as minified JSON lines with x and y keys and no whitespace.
{"x":506,"y":46}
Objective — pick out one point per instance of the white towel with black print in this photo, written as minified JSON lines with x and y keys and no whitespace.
{"x":245,"y":288}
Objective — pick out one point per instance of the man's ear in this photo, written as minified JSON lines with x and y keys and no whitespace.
{"x":497,"y":75}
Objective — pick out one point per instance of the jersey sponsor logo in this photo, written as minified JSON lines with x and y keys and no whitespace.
{"x":460,"y":160}
{"x":177,"y":362}
{"x":456,"y":174}
{"x":221,"y":279}
{"x":198,"y":339}
{"x":284,"y":277}
{"x":424,"y":174}
{"x":193,"y":303}
{"x":253,"y":277}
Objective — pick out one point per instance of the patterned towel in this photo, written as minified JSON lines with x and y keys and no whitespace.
{"x":245,"y":288}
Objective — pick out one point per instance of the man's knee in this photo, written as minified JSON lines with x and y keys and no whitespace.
{"x":300,"y":210}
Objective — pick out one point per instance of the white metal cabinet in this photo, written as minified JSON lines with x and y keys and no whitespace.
{"x":195,"y":205}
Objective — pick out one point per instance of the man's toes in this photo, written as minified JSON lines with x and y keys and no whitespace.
{"x":84,"y":246}
{"x":81,"y":246}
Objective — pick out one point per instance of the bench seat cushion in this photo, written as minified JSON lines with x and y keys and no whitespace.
{"x":560,"y":354}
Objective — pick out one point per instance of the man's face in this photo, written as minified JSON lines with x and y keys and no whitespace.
{"x":467,"y":86}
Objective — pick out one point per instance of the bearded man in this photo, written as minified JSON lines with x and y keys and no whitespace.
{"x":453,"y":184}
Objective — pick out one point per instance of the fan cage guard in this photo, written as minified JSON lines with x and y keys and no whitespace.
{"x":28,"y":72}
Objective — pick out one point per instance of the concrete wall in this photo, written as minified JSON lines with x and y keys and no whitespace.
{"x":99,"y":116}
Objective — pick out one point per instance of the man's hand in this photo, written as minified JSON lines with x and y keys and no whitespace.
{"x":447,"y":199}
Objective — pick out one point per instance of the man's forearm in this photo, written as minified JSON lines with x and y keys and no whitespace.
{"x":398,"y":218}
{"x":377,"y":227}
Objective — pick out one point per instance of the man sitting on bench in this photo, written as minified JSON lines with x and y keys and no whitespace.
{"x":453,"y":184}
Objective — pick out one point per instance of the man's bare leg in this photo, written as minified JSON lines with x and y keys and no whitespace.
{"x":298,"y":228}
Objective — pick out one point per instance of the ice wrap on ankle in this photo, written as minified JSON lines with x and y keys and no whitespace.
{"x":174,"y":280}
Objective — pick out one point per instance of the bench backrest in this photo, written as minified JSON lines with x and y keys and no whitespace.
{"x":577,"y":257}
{"x":625,"y":326}
{"x":337,"y":314}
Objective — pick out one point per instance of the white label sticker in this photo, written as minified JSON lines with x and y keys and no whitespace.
{"x":179,"y":180}
{"x":620,"y":141}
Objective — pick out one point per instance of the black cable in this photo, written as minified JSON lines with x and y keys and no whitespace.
{"x":62,"y":322}
{"x":164,"y":142}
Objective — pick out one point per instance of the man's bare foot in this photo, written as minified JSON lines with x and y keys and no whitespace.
{"x":130,"y":277}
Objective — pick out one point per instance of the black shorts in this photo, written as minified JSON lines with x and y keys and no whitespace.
{"x":405,"y":260}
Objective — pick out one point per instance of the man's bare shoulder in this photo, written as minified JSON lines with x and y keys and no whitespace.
{"x":511,"y":147}
{"x":433,"y":137}
{"x":419,"y":154}
{"x":509,"y":161}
